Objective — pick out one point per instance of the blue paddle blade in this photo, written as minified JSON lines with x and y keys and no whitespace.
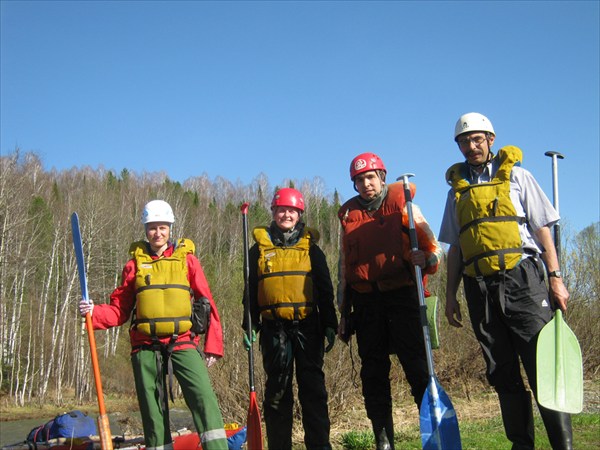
{"x":77,"y":244}
{"x":438,"y":421}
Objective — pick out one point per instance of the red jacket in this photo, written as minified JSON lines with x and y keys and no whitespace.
{"x":122,"y":302}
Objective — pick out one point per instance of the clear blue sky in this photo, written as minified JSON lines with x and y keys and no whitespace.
{"x":295,"y":90}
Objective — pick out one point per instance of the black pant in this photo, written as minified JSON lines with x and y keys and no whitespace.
{"x":283,"y":344}
{"x":389,"y":323}
{"x":507,"y":313}
{"x":507,"y":321}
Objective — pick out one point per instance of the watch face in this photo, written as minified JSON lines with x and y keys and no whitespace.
{"x":556,"y":273}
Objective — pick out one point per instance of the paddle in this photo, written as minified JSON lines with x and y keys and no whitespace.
{"x":559,"y":365}
{"x":437,"y":418}
{"x":103,"y":423}
{"x":253,"y":427}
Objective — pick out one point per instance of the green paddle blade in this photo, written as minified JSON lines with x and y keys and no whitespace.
{"x":432,"y":321}
{"x":559,"y":367}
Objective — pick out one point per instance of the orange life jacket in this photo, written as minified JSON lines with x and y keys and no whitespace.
{"x":376,"y":243}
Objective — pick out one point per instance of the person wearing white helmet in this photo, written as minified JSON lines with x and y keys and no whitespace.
{"x":497,"y":222}
{"x":291,"y":304}
{"x":166,"y":294}
{"x":157,"y":211}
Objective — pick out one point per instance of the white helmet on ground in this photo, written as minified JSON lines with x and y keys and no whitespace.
{"x":157,"y":211}
{"x":473,"y":122}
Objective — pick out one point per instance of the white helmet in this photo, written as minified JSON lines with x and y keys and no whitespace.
{"x":473,"y":122}
{"x":157,"y":211}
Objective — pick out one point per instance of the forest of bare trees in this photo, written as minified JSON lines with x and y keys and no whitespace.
{"x":44,"y":354}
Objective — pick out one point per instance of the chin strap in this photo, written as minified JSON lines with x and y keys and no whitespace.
{"x":482,"y":165}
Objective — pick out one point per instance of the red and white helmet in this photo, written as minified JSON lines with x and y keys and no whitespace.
{"x":157,"y":211}
{"x":364,"y":163}
{"x":288,"y":197}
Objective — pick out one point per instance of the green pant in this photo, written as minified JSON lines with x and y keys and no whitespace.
{"x":150,"y":373}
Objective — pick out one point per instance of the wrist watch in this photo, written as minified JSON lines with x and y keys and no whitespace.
{"x":555,"y":274}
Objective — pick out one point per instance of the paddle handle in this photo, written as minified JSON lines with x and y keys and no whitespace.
{"x":555,"y":157}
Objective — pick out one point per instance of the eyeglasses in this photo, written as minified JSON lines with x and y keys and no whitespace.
{"x":466,"y":141}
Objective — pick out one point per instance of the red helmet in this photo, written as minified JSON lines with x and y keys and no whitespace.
{"x":288,"y":197}
{"x":364,"y":163}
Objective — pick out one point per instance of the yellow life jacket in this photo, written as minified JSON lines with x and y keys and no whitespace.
{"x":285,"y":286}
{"x":163,"y":294}
{"x":489,"y":226}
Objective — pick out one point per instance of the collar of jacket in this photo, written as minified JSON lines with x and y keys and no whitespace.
{"x":286,"y":238}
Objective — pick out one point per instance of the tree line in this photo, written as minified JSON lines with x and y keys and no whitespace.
{"x":44,"y":354}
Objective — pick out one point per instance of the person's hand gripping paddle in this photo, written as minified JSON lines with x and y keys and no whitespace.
{"x":103,"y":423}
{"x":253,"y":427}
{"x":437,"y":418}
{"x":559,"y":366}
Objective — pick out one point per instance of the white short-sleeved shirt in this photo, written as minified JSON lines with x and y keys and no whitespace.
{"x":527,"y":196}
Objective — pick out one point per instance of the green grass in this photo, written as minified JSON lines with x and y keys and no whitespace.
{"x":358,"y":440}
{"x":485,"y":435}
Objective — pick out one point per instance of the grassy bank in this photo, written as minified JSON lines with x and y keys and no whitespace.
{"x":485,"y":434}
{"x":480,"y":425}
{"x":479,"y":421}
{"x":9,"y":411}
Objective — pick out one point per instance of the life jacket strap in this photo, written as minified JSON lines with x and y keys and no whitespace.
{"x":285,"y":274}
{"x":152,"y":322}
{"x":520,"y":220}
{"x":295,"y":306}
{"x":162,"y":286}
{"x":501,"y":260}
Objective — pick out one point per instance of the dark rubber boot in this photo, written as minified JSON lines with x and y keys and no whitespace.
{"x":383,"y":429}
{"x":558,"y":428}
{"x":517,"y":415}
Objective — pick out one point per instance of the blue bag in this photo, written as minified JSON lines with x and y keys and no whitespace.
{"x":235,"y":441}
{"x":73,"y":424}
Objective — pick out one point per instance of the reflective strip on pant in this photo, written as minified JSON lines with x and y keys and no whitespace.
{"x":213,"y":435}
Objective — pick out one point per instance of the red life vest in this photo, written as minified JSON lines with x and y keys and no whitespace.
{"x":376,"y":243}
